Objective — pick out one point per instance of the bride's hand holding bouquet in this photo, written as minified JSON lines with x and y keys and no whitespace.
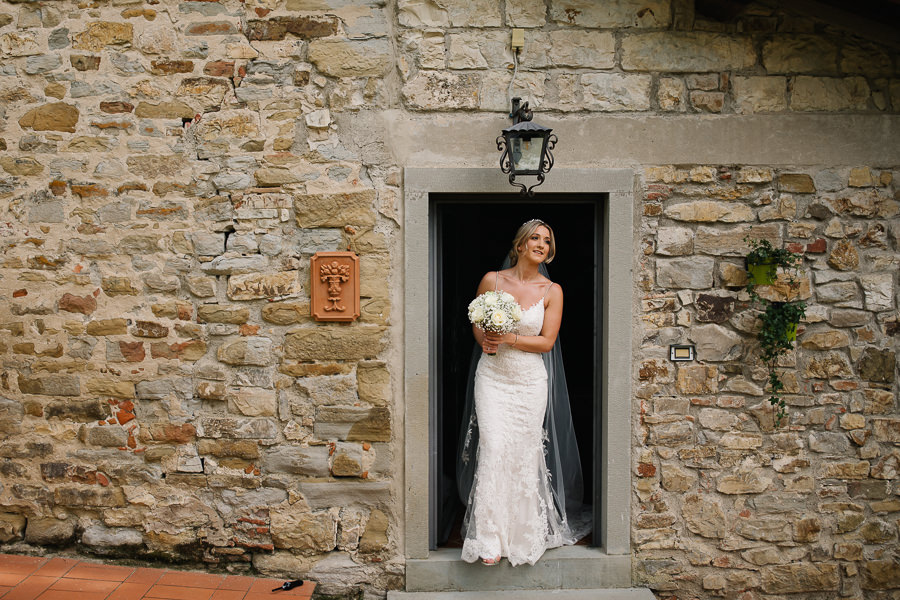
{"x":495,"y":312}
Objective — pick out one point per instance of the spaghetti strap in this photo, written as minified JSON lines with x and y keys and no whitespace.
{"x":547,"y":290}
{"x":496,"y":280}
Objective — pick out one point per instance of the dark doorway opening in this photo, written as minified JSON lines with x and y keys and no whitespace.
{"x":470,"y":235}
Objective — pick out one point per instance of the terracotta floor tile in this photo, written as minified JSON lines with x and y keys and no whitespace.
{"x":11,"y":579}
{"x":237,"y":582}
{"x":56,"y":567}
{"x":18,"y":569}
{"x":265,"y":586}
{"x":70,"y":595}
{"x":99,"y":572}
{"x":3,"y":590}
{"x":85,"y":585}
{"x":130,"y":591}
{"x":188,"y":579}
{"x":228,"y":595}
{"x":171,"y":592}
{"x":16,"y":559}
{"x":145,"y":575}
{"x":30,"y":588}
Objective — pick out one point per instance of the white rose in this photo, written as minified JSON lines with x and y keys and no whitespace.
{"x":516,"y":312}
{"x":498,"y":319}
{"x":490,"y":299}
{"x":476,"y":315}
{"x":507,"y":297}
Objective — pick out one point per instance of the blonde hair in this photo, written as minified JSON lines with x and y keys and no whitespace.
{"x":524,"y":232}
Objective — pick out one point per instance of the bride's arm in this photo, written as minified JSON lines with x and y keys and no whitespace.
{"x":550,"y":330}
{"x":487,"y":284}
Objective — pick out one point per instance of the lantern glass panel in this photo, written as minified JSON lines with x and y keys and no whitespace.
{"x":526,"y":154}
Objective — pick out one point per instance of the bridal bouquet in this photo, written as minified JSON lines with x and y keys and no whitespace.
{"x":496,"y":312}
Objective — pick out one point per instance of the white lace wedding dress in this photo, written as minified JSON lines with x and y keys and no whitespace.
{"x":511,"y":510}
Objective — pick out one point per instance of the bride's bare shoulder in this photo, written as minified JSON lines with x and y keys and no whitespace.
{"x":487,"y":282}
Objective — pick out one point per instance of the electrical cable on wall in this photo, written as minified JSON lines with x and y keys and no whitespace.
{"x":513,"y":80}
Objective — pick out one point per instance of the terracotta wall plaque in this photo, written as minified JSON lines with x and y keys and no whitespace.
{"x":334,"y":286}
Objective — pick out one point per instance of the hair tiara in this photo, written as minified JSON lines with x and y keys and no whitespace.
{"x":532,"y":221}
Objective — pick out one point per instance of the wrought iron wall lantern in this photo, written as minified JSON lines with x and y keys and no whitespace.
{"x":525,"y":147}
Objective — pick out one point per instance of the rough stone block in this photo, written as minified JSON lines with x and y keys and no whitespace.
{"x":336,"y":210}
{"x":704,"y":516}
{"x":374,"y":382}
{"x":694,"y":272}
{"x":590,"y":49}
{"x":672,"y":434}
{"x":759,"y":94}
{"x":886,"y":430}
{"x":49,"y":531}
{"x":749,"y":482}
{"x":50,"y":385}
{"x":351,"y":58}
{"x":674,"y":241}
{"x":57,"y":116}
{"x":252,"y":428}
{"x":675,"y":52}
{"x":845,"y":470}
{"x":881,"y":574}
{"x":825,"y":340}
{"x":716,"y":343}
{"x":526,"y":13}
{"x":607,"y":15}
{"x":252,"y":402}
{"x":83,"y":411}
{"x":101,"y":537}
{"x":249,"y":351}
{"x":334,"y":343}
{"x":286,"y":313}
{"x":299,"y":529}
{"x":878,"y":291}
{"x":829,"y":94}
{"x":113,"y":388}
{"x":616,"y":91}
{"x":439,"y":90}
{"x":353,"y":423}
{"x":878,"y":365}
{"x":109,"y":436}
{"x":270,"y":285}
{"x":309,"y":461}
{"x":671,"y":94}
{"x":102,"y":327}
{"x":215,"y":313}
{"x":100,"y":34}
{"x":236,"y":265}
{"x":478,"y":50}
{"x":88,"y":496}
{"x":799,"y":54}
{"x":11,"y":415}
{"x":730,"y":242}
{"x":375,"y":536}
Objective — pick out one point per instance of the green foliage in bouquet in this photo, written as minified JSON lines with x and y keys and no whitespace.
{"x":779,"y":319}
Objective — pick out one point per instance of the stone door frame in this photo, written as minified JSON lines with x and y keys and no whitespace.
{"x":617,"y":350}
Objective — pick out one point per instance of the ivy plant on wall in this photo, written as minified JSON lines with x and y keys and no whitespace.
{"x":779,"y":320}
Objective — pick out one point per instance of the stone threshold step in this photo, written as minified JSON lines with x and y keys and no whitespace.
{"x":595,"y":594}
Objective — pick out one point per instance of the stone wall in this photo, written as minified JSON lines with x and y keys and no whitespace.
{"x":169,"y":167}
{"x":727,"y":500}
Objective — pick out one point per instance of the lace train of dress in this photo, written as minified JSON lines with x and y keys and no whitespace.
{"x":511,"y":509}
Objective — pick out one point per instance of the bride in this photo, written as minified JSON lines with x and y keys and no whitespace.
{"x":515,"y":507}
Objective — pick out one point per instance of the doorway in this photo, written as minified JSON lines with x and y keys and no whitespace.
{"x":470,"y":234}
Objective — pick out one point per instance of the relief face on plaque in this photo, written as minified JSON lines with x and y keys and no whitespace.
{"x":334,"y":286}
